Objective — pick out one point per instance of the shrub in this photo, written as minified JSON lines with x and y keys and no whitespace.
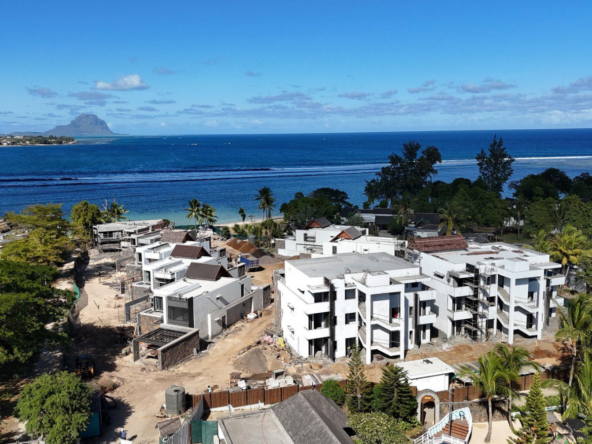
{"x":332,"y":390}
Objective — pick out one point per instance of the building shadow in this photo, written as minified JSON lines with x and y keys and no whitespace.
{"x":111,"y":429}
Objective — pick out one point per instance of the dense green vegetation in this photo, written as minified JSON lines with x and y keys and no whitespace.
{"x":535,"y":426}
{"x":55,"y":406}
{"x":332,"y":390}
{"x":38,"y":140}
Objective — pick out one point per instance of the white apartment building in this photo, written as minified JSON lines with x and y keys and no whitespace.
{"x":207,"y":298}
{"x":488,"y":288}
{"x":376,"y":300}
{"x":352,"y":240}
{"x":126,"y":235}
{"x":312,"y":238}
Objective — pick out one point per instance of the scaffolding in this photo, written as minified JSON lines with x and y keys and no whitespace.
{"x":478,"y":302}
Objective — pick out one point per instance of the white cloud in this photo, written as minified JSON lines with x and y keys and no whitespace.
{"x":127,"y":83}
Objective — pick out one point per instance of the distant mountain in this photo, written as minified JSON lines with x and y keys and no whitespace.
{"x":83,"y":125}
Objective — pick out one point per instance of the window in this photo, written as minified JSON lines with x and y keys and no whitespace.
{"x":350,"y":294}
{"x":334,"y":249}
{"x":531,"y":296}
{"x":157,"y":303}
{"x":321,"y":297}
{"x":350,"y":317}
{"x":178,"y":316}
{"x":423,"y":332}
{"x":501,"y":281}
{"x":411,"y":311}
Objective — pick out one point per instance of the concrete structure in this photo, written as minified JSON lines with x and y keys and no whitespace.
{"x":312,"y":238}
{"x":207,"y":298}
{"x":352,"y":240}
{"x":126,"y":235}
{"x":305,"y":418}
{"x":488,"y":288}
{"x":376,"y":300}
{"x":428,"y":374}
{"x":375,"y":218}
{"x":424,"y":225}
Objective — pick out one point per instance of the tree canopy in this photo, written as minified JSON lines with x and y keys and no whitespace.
{"x":55,"y":406}
{"x":495,"y":165}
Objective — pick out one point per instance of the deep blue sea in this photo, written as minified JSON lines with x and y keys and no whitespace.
{"x":154,"y":177}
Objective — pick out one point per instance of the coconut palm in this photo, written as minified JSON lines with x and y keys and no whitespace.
{"x":576,"y":325}
{"x":242,"y":214}
{"x":493,"y":379}
{"x":579,"y":399}
{"x":194,"y":211}
{"x":451,"y":216}
{"x":569,"y":247}
{"x":514,"y":359}
{"x":266,"y":201}
{"x":113,"y":212}
{"x":541,"y":241}
{"x":208,"y":214}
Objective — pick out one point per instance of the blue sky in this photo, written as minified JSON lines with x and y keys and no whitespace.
{"x":194,"y":67}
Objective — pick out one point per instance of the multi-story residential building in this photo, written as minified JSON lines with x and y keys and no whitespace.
{"x":207,"y":298}
{"x":376,"y":300}
{"x":352,"y":240}
{"x":126,"y":235}
{"x":312,"y":238}
{"x":488,"y":288}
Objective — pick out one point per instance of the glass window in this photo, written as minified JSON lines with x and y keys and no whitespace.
{"x":178,"y":315}
{"x":350,"y":317}
{"x":157,"y":303}
{"x":350,"y":294}
{"x":321,"y":297}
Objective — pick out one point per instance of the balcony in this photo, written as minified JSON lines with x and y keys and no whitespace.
{"x":527,"y":328}
{"x":386,"y":321}
{"x":459,"y":315}
{"x":316,"y":333}
{"x":460,"y":291}
{"x":527,"y":304}
{"x":428,"y":318}
{"x":319,"y":307}
{"x":310,"y":238}
{"x":164,"y":274}
{"x":362,"y":309}
{"x":555,"y":279}
{"x":426,"y":295}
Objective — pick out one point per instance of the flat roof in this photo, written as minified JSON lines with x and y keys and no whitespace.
{"x":125,"y":225}
{"x":332,"y":266}
{"x":490,"y":253}
{"x":254,"y":428}
{"x":422,"y":368}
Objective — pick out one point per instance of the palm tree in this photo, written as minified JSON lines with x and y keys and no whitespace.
{"x":451,"y":216}
{"x":514,"y":359}
{"x":519,"y":209}
{"x":579,"y":399}
{"x":208,"y":214}
{"x":576,"y":326}
{"x":266,"y":201}
{"x":541,"y":241}
{"x":242,"y":214}
{"x":493,"y":379}
{"x":113,"y":212}
{"x":569,"y":247}
{"x":194,"y":211}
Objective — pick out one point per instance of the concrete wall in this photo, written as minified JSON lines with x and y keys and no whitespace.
{"x":179,"y":350}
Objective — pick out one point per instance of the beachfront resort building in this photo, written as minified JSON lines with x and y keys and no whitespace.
{"x":376,"y":300}
{"x":126,"y":235}
{"x":311,"y":239}
{"x":488,"y":288}
{"x":207,"y":298}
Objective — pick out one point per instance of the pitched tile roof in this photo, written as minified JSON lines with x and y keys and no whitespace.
{"x":349,"y":233}
{"x":438,"y":243}
{"x":189,"y":252}
{"x":310,"y":418}
{"x":206,"y":272}
{"x":175,"y":236}
{"x":320,"y":222}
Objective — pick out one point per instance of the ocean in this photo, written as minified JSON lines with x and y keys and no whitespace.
{"x":154,"y":177}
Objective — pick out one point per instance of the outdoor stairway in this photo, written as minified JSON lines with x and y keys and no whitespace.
{"x":460,"y":430}
{"x":462,"y":426}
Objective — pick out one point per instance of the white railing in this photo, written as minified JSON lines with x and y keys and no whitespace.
{"x":428,"y":438}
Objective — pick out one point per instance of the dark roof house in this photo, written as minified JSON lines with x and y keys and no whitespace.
{"x":310,"y":418}
{"x":321,"y":222}
{"x":206,"y":272}
{"x":349,"y":233}
{"x":176,"y":236}
{"x":189,"y":252}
